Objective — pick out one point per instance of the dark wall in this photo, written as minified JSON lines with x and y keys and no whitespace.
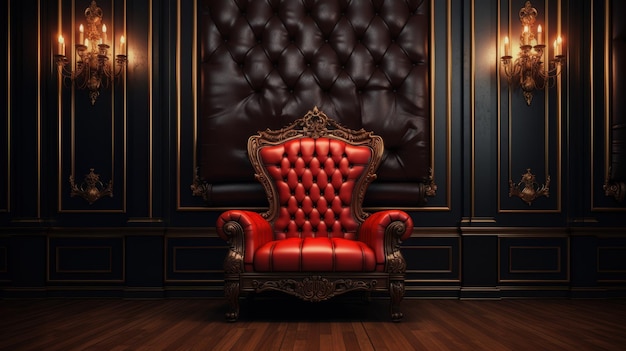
{"x":153,"y":238}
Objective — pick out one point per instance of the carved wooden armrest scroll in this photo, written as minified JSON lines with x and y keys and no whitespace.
{"x":394,"y":262}
{"x":233,"y":263}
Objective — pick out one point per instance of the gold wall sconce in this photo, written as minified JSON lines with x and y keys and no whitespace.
{"x":92,"y":68}
{"x":528,"y":70}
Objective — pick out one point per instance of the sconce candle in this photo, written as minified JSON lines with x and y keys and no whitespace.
{"x":61,"y":48}
{"x":558,"y":47}
{"x":526,"y":36}
{"x":507,"y":47}
{"x":104,"y":34}
{"x":81,"y":34}
{"x":539,"y":35}
{"x":122,"y":45}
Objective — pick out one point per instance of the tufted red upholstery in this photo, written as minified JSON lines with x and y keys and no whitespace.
{"x":314,"y":180}
{"x":264,"y":63}
{"x":313,"y":254}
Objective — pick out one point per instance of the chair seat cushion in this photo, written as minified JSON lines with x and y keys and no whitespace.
{"x":314,"y":254}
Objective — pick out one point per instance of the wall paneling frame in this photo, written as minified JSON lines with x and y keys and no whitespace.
{"x":91,"y":140}
{"x":530,"y":137}
{"x":615,"y":88}
{"x":366,"y":64}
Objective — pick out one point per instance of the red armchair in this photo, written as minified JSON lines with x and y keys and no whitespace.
{"x":315,"y":241}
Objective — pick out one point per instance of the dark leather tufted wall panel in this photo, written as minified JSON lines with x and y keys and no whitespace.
{"x":618,"y":111}
{"x":266,"y":63}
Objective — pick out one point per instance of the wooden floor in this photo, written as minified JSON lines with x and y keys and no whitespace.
{"x":286,"y":324}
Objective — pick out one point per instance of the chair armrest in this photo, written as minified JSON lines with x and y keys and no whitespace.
{"x":384,"y":231}
{"x":245,"y":231}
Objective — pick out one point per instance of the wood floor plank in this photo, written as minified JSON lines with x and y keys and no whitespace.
{"x":363,"y":340}
{"x":65,"y":324}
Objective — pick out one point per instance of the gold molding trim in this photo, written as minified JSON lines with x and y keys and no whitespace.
{"x":518,"y":232}
{"x":58,"y":263}
{"x":607,"y":89}
{"x":176,"y":252}
{"x":559,"y":269}
{"x":472,"y":110}
{"x":39,"y":113}
{"x":528,"y":189}
{"x":533,"y":234}
{"x":617,"y":190}
{"x":448,"y":248}
{"x":533,"y":287}
{"x":598,"y":254}
{"x":122,"y":268}
{"x":187,"y":233}
{"x":447,"y":108}
{"x":8,"y":112}
{"x":150,"y":109}
{"x":179,"y":104}
{"x":611,"y":189}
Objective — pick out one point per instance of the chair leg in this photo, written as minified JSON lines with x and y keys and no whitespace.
{"x":231,"y":291}
{"x":396,"y":290}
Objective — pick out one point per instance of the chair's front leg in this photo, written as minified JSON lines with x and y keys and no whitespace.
{"x":233,"y":267}
{"x":231,"y":291}
{"x":396,"y":266}
{"x":396,"y":290}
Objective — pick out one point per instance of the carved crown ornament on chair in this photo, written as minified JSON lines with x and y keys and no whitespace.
{"x":315,"y":241}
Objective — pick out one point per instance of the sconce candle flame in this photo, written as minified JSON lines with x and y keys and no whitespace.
{"x":93,"y":69}
{"x":528,"y":70}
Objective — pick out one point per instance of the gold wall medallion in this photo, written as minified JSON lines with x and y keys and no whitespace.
{"x":91,"y":189}
{"x":528,"y":189}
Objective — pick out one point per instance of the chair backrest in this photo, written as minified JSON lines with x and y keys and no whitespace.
{"x":315,"y":173}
